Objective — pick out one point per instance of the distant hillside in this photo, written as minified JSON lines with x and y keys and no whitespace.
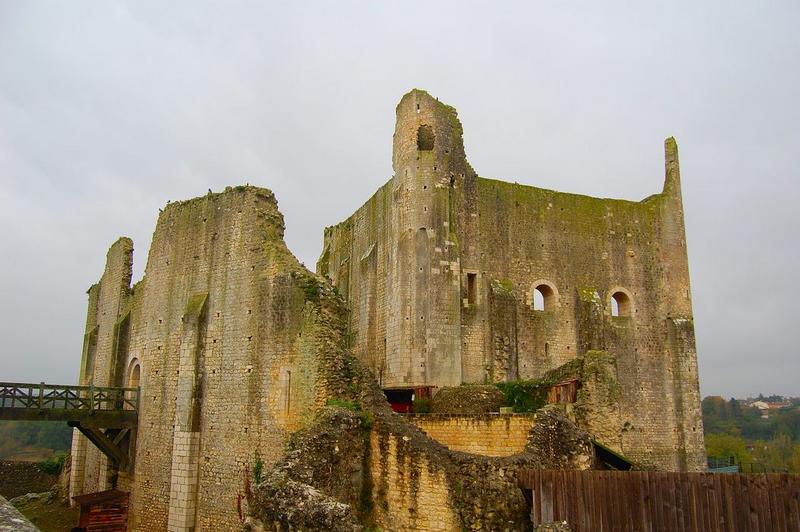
{"x":763,"y":431}
{"x":33,"y":440}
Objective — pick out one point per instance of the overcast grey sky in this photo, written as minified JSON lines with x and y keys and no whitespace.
{"x":109,"y":109}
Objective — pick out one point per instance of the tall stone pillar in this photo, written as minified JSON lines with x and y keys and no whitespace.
{"x":186,"y":435}
{"x":78,"y":464}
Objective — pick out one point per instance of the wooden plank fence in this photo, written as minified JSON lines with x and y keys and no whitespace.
{"x":661,"y":501}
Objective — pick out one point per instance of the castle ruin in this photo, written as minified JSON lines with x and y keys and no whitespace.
{"x":441,"y":278}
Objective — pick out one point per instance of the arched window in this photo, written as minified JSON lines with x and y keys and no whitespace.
{"x":134,"y":375}
{"x":620,"y":304}
{"x":544,"y":297}
{"x":425,"y":138}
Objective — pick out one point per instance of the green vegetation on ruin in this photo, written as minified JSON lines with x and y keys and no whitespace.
{"x":502,"y":286}
{"x":366,"y":416}
{"x":568,"y":207}
{"x":526,"y":395}
{"x":258,"y":468}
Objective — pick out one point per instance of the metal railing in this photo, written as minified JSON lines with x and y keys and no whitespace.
{"x":41,"y":396}
{"x":726,"y":464}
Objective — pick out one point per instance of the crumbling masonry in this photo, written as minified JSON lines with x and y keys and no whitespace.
{"x":440,"y":268}
{"x":442,"y":278}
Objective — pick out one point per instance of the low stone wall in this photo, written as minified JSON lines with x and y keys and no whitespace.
{"x":484,"y":434}
{"x":411,"y":492}
{"x":13,"y":521}
{"x":19,"y":478}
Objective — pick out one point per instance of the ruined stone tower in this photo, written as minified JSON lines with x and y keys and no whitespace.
{"x":445,"y":278}
{"x":225,"y":338}
{"x":443,"y":270}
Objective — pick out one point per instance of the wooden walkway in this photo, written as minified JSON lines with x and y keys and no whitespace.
{"x":656,"y":501}
{"x":97,"y":406}
{"x":106,"y":416}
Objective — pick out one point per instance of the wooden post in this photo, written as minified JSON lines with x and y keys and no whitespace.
{"x":41,"y":395}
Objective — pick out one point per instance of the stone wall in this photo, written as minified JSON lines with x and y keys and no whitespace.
{"x":484,"y":434}
{"x":228,"y":331}
{"x":396,"y":259}
{"x":400,"y":479}
{"x":457,"y":261}
{"x":12,"y":520}
{"x":19,"y":478}
{"x":412,"y":492}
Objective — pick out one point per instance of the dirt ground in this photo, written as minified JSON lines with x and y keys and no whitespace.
{"x":47,"y":511}
{"x":44,"y":509}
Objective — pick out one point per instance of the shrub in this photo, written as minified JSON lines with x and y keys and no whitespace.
{"x":53,"y":465}
{"x":347,"y":404}
{"x":421,"y":406}
{"x":525,"y":396}
{"x":258,"y":469}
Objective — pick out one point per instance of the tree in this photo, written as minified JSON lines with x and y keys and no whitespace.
{"x":794,"y":465}
{"x":724,"y":445}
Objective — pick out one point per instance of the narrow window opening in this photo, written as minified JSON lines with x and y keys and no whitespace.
{"x":134,"y":377}
{"x":472,"y":288}
{"x":620,"y":305}
{"x":425,"y":138}
{"x":288,"y":390}
{"x":538,"y":300}
{"x":417,"y":108}
{"x":547,"y":349}
{"x":544,"y":298}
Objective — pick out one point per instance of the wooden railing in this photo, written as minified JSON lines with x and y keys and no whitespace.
{"x":29,"y":396}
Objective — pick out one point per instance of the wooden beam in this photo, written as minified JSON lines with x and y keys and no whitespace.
{"x":106,"y":444}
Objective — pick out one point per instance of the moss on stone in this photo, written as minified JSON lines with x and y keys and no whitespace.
{"x":467,"y":399}
{"x":502,"y":286}
{"x":195,"y":307}
{"x":588,"y":294}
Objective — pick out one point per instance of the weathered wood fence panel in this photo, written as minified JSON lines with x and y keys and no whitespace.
{"x":659,"y":501}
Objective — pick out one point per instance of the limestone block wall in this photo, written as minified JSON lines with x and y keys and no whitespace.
{"x":355,"y":254}
{"x":107,"y":300}
{"x":484,"y":434}
{"x":582,"y":251}
{"x":228,"y":338}
{"x":438,"y":225}
{"x":396,"y":260}
{"x":419,"y":484}
{"x":413,"y":493}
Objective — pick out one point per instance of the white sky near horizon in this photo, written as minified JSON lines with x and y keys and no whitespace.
{"x":110,"y":109}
